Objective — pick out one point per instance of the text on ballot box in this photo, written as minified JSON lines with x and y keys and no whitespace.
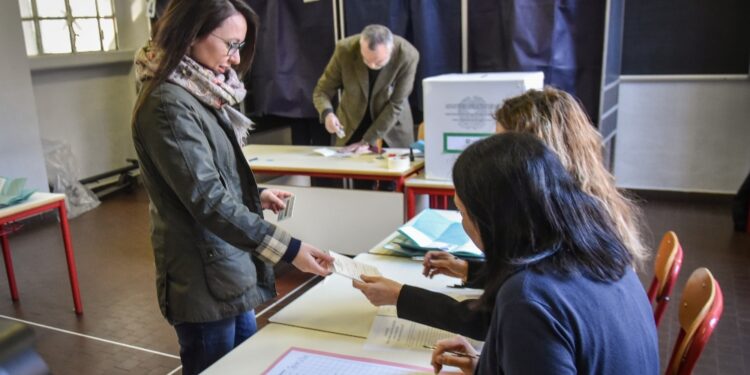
{"x":458,"y":111}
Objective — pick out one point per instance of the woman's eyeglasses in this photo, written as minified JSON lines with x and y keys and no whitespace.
{"x":232,"y":47}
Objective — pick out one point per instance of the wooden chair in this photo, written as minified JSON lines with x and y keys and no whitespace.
{"x":666,"y":269}
{"x":700,"y":309}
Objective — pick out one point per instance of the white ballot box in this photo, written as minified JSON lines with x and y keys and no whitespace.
{"x":458,"y":111}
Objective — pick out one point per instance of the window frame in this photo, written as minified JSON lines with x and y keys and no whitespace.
{"x":70,"y":21}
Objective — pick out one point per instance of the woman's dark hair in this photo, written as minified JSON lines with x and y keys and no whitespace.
{"x":531,"y":214}
{"x":187,"y":20}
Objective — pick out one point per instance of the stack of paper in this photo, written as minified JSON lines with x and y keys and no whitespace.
{"x":12,"y":191}
{"x":431,"y":230}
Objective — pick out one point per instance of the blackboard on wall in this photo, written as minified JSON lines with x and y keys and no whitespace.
{"x":686,"y":37}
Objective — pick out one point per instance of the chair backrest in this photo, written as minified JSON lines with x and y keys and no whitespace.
{"x":667,"y":267}
{"x":700,"y":309}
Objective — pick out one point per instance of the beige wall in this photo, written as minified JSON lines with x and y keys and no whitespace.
{"x":683,"y":135}
{"x":89,"y":106}
{"x":20,"y":147}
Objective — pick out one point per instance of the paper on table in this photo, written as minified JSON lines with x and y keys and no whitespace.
{"x":390,"y":332}
{"x":298,"y":361}
{"x":432,"y":230}
{"x":12,"y":191}
{"x":325,"y":151}
{"x":348,"y":267}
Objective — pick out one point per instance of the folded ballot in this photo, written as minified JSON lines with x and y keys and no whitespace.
{"x":350,"y":268}
{"x":431,"y":230}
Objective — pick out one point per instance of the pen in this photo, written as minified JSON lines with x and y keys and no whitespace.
{"x":252,"y":159}
{"x":457,"y":354}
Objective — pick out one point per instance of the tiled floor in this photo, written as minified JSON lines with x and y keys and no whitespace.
{"x":122,"y":331}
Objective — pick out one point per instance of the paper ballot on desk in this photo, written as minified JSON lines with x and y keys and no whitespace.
{"x":432,"y":230}
{"x":350,"y":268}
{"x":390,"y":332}
{"x":302,"y":361}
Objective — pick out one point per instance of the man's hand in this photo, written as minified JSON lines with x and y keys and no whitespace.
{"x":379,"y":290}
{"x":333,"y":125}
{"x":360,"y":147}
{"x":313,"y":260}
{"x":273,"y":199}
{"x":437,"y":262}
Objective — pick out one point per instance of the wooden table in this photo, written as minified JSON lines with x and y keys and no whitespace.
{"x":302,"y":160}
{"x":39,"y":203}
{"x":438,"y":190}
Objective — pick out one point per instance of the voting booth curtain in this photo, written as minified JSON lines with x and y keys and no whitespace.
{"x":562,"y":38}
{"x":294,"y":44}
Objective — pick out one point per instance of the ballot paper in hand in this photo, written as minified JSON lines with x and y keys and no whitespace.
{"x":286,"y":212}
{"x":350,"y":268}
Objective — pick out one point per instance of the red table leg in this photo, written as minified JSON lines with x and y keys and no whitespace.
{"x":411,"y":204}
{"x":72,"y":273}
{"x":9,"y":265}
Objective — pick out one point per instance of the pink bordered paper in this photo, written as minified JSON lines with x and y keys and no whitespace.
{"x":306,"y":361}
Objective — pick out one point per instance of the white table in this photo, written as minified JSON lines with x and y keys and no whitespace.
{"x":335,"y":306}
{"x":302,"y":160}
{"x":260,"y":351}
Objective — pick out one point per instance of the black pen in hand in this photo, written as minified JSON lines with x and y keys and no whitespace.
{"x":457,"y":354}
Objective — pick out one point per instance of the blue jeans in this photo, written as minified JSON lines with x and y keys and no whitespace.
{"x":202,"y":344}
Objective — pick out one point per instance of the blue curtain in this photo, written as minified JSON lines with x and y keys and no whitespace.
{"x":295,"y":43}
{"x":564,"y":39}
{"x":433,"y":27}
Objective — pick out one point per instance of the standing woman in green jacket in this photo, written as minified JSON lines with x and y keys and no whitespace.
{"x":213,"y":250}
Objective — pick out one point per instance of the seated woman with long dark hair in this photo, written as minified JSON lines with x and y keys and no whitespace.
{"x":560,"y":285}
{"x":559,"y":121}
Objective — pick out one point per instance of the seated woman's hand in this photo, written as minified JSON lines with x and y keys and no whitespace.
{"x":444,"y":354}
{"x":379,"y":290}
{"x":441,"y":262}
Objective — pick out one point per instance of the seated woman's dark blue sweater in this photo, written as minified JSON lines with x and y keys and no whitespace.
{"x":544,"y":324}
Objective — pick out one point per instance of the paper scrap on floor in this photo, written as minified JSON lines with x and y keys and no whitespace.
{"x":350,"y":268}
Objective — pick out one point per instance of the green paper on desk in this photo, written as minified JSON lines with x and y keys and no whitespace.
{"x":12,"y":191}
{"x":431,"y":230}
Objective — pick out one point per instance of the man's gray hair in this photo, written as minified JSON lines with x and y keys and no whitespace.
{"x":376,"y":35}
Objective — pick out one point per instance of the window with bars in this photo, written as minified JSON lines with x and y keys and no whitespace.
{"x":68,"y":26}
